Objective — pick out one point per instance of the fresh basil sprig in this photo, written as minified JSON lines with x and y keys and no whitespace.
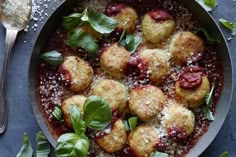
{"x":43,"y":146}
{"x":159,"y":154}
{"x":98,"y":21}
{"x":211,"y":38}
{"x":131,"y":42}
{"x":225,"y":154}
{"x":229,"y":25}
{"x":26,"y":149}
{"x":72,"y":145}
{"x":53,"y":58}
{"x":57,"y":113}
{"x":131,"y":123}
{"x":79,"y":38}
{"x":97,"y":115}
{"x":209,"y":102}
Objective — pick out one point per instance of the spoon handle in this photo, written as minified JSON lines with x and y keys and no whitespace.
{"x":10,"y":40}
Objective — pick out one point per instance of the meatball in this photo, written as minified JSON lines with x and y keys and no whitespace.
{"x":178,"y":121}
{"x":124,"y":14}
{"x":186,"y":46}
{"x":194,"y":97}
{"x":143,"y":140}
{"x":114,"y":59}
{"x":146,"y":102}
{"x":115,"y":140}
{"x":77,"y":100}
{"x":158,"y":64}
{"x":77,"y":72}
{"x":113,"y":92}
{"x":157,"y":26}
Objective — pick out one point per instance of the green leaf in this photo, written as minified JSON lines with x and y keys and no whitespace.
{"x":132,"y":122}
{"x":100,"y":22}
{"x":211,"y":38}
{"x":79,"y":38}
{"x":208,"y":114}
{"x":211,"y":3}
{"x":53,"y":58}
{"x":206,"y":7}
{"x":208,"y":98}
{"x":77,"y":122}
{"x":131,"y":42}
{"x":97,"y":113}
{"x":229,"y":25}
{"x":57,"y":113}
{"x":122,"y":36}
{"x":126,"y":125}
{"x":72,"y":21}
{"x":43,"y":146}
{"x":26,"y":150}
{"x":72,"y":145}
{"x":225,"y":154}
{"x":159,"y":154}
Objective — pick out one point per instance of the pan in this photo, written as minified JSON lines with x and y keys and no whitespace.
{"x":202,"y":16}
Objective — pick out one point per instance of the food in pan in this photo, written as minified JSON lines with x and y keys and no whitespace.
{"x":132,"y":78}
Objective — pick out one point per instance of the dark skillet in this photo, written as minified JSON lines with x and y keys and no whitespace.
{"x":201,"y":16}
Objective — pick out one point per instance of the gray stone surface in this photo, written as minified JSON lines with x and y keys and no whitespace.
{"x":21,"y":117}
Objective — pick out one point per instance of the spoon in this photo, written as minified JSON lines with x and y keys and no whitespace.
{"x":14,"y":16}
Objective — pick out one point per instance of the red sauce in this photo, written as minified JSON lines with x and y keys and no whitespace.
{"x":190,"y":77}
{"x":160,"y":15}
{"x":65,"y":76}
{"x":177,"y":134}
{"x":113,"y":8}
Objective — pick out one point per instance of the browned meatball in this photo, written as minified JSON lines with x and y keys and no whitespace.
{"x":143,"y":140}
{"x":77,"y":100}
{"x":124,"y":14}
{"x":157,"y":25}
{"x":115,"y":140}
{"x":146,"y":102}
{"x":114,"y":60}
{"x":185,"y":46}
{"x":77,"y":72}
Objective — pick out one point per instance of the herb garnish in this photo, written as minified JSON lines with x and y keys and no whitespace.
{"x":131,"y":123}
{"x":26,"y":149}
{"x":131,"y":42}
{"x":79,"y":38}
{"x":159,"y":154}
{"x":229,"y":25}
{"x":209,"y":102}
{"x":208,"y":5}
{"x":57,"y":113}
{"x":97,"y":115}
{"x":211,"y":38}
{"x":43,"y":146}
{"x":53,"y":58}
{"x":225,"y":154}
{"x":98,"y":21}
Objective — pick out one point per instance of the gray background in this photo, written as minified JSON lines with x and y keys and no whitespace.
{"x":21,"y":117}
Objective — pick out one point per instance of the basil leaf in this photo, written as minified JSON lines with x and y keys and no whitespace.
{"x":229,"y":25}
{"x":43,"y":146}
{"x":77,"y":122}
{"x":159,"y":154}
{"x":225,"y":154}
{"x":132,"y":122}
{"x":208,"y":114}
{"x":79,"y":38}
{"x":97,"y":113}
{"x":57,"y":113}
{"x":26,"y":150}
{"x":204,"y":5}
{"x":72,"y":145}
{"x":72,"y":21}
{"x":122,"y":36}
{"x":131,"y":42}
{"x":126,"y":125}
{"x":99,"y":22}
{"x":208,"y":99}
{"x":211,"y":38}
{"x":53,"y":58}
{"x":211,"y":3}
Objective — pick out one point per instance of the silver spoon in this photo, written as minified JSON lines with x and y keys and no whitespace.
{"x":14,"y":16}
